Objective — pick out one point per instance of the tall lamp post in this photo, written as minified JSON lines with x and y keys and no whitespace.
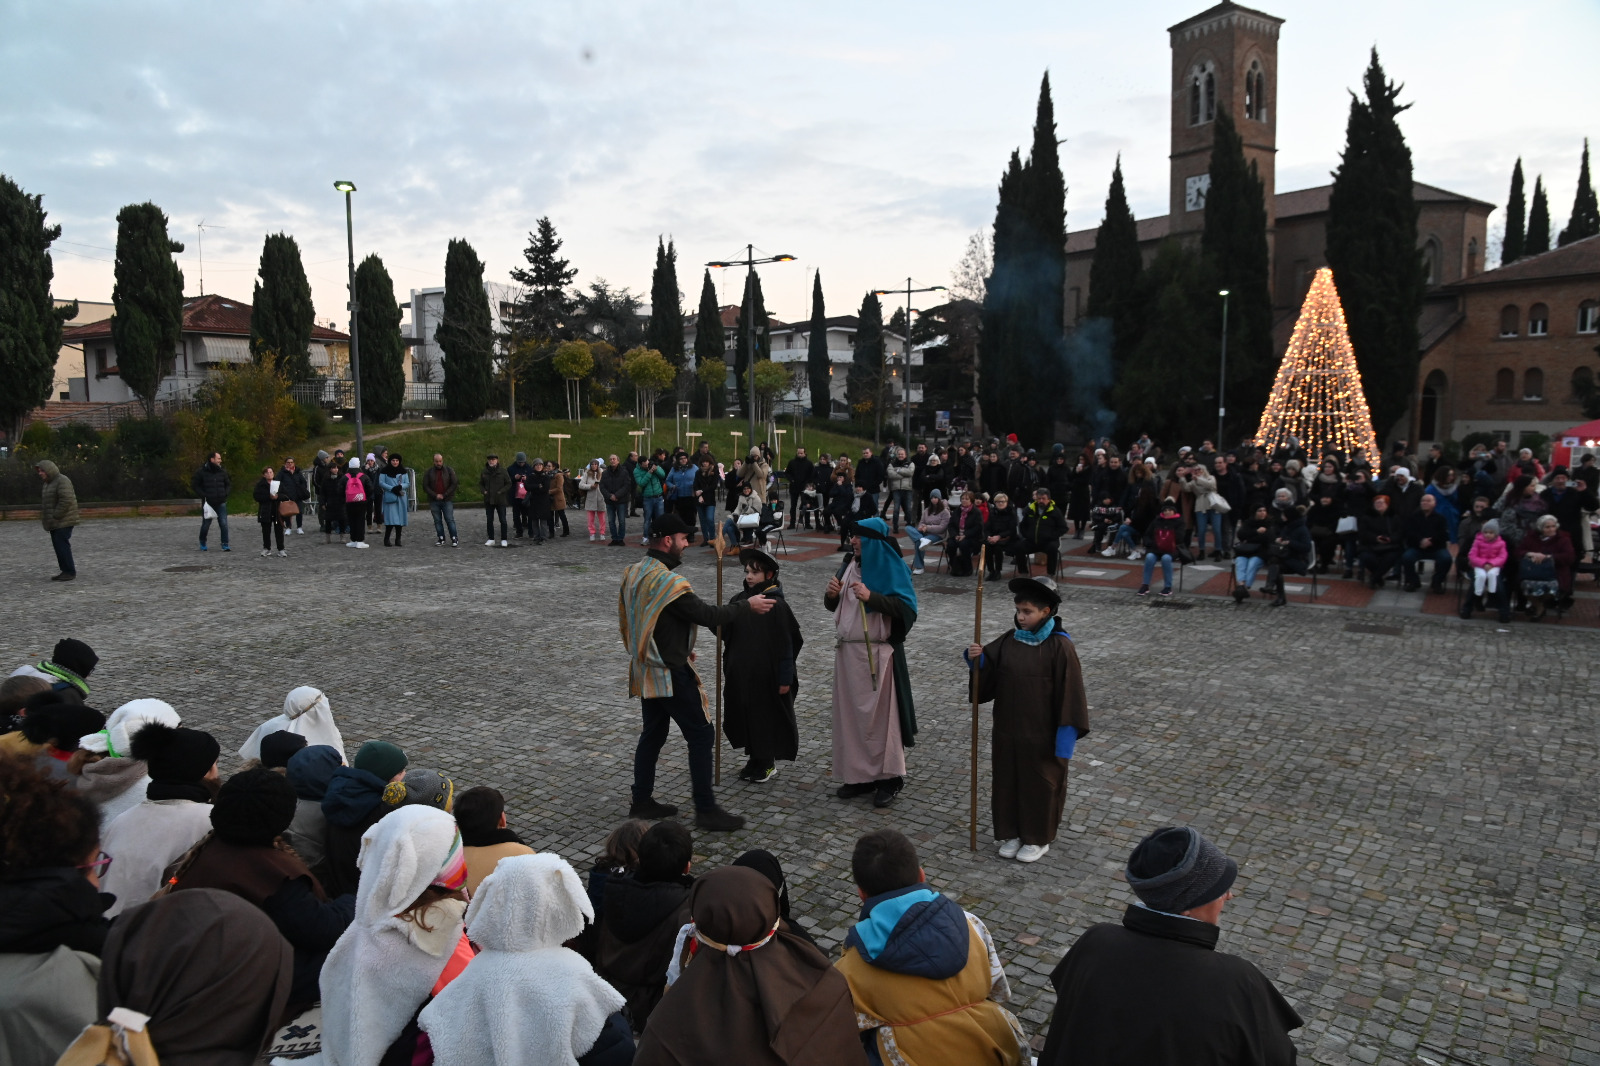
{"x":1222,"y":374}
{"x":348,"y":187}
{"x":905,"y":388}
{"x":750,"y":262}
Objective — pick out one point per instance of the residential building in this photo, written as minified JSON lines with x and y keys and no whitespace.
{"x":69,"y":357}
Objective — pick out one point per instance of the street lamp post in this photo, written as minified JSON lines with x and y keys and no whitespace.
{"x":750,"y":262}
{"x":905,"y":389}
{"x":1222,"y":375}
{"x":348,"y":187}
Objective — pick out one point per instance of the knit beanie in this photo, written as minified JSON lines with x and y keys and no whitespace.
{"x":75,"y":655}
{"x":381,"y":759}
{"x":276,"y":748}
{"x":60,"y":723}
{"x":1175,"y":869}
{"x":1491,"y":526}
{"x":174,"y":753}
{"x":253,"y":807}
{"x":428,"y":787}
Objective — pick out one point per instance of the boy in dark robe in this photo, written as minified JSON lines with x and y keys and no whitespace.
{"x":1040,"y":710}
{"x":759,"y":681}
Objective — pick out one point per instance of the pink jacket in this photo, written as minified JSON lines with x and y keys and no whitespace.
{"x":1487,"y":552}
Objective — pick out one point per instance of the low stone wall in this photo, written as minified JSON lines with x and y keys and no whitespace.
{"x":111,"y":509}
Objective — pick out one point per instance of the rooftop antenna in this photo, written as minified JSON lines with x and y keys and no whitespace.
{"x":201,"y":243}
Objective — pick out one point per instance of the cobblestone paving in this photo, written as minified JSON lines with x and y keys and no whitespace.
{"x":1411,"y":800}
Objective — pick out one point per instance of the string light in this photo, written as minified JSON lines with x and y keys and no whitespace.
{"x":1317,"y":396}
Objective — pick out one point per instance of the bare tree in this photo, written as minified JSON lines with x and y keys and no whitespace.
{"x":970,"y":278}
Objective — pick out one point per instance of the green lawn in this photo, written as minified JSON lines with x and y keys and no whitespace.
{"x":464,"y":445}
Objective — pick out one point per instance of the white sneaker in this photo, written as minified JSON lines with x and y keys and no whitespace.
{"x":1109,"y":552}
{"x":265,"y":552}
{"x":916,"y":570}
{"x":488,"y":543}
{"x":300,"y":532}
{"x":282,"y":554}
{"x":1008,"y":848}
{"x":505,"y":544}
{"x":591,"y":538}
{"x":352,"y":544}
{"x":363,"y":544}
{"x":1032,"y":852}
{"x":1136,"y":555}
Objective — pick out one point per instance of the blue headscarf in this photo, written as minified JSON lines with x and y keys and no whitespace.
{"x":882,"y":569}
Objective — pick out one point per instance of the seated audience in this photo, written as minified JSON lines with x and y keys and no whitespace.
{"x":309,"y":771}
{"x":110,"y":774}
{"x":352,"y":803}
{"x":56,"y":728}
{"x":481,"y":816}
{"x":643,"y":913}
{"x":175,"y":814}
{"x":766,"y":864}
{"x":307,"y":713}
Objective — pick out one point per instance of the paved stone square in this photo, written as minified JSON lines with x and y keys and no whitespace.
{"x":1412,"y":800}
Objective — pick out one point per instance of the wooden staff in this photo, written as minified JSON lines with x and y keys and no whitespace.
{"x":977,"y":638}
{"x":718,"y":737}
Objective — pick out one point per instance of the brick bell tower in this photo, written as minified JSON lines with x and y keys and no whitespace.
{"x":1224,"y":57}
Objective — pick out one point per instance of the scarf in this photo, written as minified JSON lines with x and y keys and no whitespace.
{"x":647,"y":587}
{"x":1035,"y":637}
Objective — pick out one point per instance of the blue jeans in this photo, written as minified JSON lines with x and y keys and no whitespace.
{"x":1202,"y":521}
{"x":708,"y":521}
{"x":61,"y":541}
{"x":1441,"y":563}
{"x":1150,"y":566}
{"x":919,"y":542}
{"x":1245,"y":568}
{"x":617,"y":519}
{"x":685,"y":708}
{"x":652,"y":510}
{"x":1124,"y":536}
{"x":222,"y":523}
{"x":899,"y":502}
{"x":444,"y":513}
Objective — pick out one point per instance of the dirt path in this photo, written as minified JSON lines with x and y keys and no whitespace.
{"x":384,"y":434}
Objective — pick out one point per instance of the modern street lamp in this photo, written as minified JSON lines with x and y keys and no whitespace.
{"x":348,"y":187}
{"x":1222,"y":376}
{"x":905,"y":389}
{"x":750,"y":262}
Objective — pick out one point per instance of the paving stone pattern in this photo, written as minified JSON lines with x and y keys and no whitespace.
{"x":1411,"y":800}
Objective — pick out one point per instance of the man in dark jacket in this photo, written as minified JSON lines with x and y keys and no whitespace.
{"x":352,"y":804}
{"x":800,"y":472}
{"x":1427,"y":536}
{"x":1289,"y":551}
{"x":58,"y":513}
{"x":1215,"y":1008}
{"x":1040,"y":527}
{"x":330,"y":502}
{"x":870,"y":473}
{"x":495,"y":484}
{"x":1568,"y":501}
{"x":640,"y":918}
{"x":616,"y":488}
{"x":212,"y":484}
{"x":1404,"y":492}
{"x":1380,"y":537}
{"x":439,"y":484}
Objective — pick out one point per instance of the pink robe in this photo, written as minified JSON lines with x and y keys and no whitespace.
{"x":866,"y":722}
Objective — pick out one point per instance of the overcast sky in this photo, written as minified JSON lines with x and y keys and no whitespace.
{"x":864,"y":138}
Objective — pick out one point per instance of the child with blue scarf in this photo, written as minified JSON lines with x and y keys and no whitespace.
{"x":1040,"y":710}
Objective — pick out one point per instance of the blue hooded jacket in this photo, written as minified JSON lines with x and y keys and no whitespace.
{"x":310,"y":770}
{"x":351,"y":796}
{"x":913,"y":931}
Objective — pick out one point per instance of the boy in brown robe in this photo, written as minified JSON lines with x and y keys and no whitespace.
{"x":1040,"y":710}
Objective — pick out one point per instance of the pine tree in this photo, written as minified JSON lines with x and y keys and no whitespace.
{"x":466,"y":335}
{"x":1114,"y":272}
{"x":383,"y":374}
{"x":541,"y":315}
{"x":1585,"y":218}
{"x":147,"y":320}
{"x":866,"y":365}
{"x":817,"y":364}
{"x":1000,"y":375}
{"x":1317,"y":397}
{"x":1234,"y":244}
{"x":280,"y":310}
{"x":1148,"y":396}
{"x":30,"y":323}
{"x":665,"y":333}
{"x":756,"y":308}
{"x":1372,"y":248}
{"x":710,"y":346}
{"x":1516,"y":219}
{"x":1538,"y":239}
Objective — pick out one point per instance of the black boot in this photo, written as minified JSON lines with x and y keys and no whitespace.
{"x":387,"y":530}
{"x":649,"y":808}
{"x":886,"y":790}
{"x":845,"y":792}
{"x":717,"y":820}
{"x":399,"y":536}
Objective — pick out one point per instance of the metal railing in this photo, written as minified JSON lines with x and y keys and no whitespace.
{"x":106,"y":416}
{"x":339,"y":394}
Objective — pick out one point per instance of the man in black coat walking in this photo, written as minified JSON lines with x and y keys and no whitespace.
{"x":212,"y":484}
{"x":800,"y":472}
{"x":1154,"y":989}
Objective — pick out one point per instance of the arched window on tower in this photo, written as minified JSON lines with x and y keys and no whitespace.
{"x":1194,"y":100}
{"x":1261,"y":96}
{"x":1250,"y":90}
{"x":1430,"y":261}
{"x":1211,"y":97}
{"x":1472,"y":257}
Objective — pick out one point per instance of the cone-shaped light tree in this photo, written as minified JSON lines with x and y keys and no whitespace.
{"x":1317,"y":396}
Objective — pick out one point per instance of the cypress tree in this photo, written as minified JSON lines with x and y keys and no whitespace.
{"x":280,"y":310}
{"x":30,"y":322}
{"x":1001,"y":338}
{"x":709,"y":344}
{"x":1114,"y":272}
{"x":147,"y":320}
{"x":1585,"y":218}
{"x":1234,"y":246}
{"x":866,"y":365}
{"x":665,"y":332}
{"x":1538,"y":239}
{"x":1146,"y":396}
{"x":1516,"y":219}
{"x":465,"y":334}
{"x":817,"y":365}
{"x":383,"y":375}
{"x":757,"y":307}
{"x":1372,"y":248}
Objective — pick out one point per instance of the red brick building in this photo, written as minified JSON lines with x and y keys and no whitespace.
{"x":1507,"y":346}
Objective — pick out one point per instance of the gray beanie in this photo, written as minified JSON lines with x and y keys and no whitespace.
{"x":1491,"y":526}
{"x":1175,"y":869}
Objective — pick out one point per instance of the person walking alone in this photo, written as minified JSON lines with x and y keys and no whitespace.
{"x":58,"y":513}
{"x":495,"y":484}
{"x":267,"y":499}
{"x":439,"y":484}
{"x":212,"y":484}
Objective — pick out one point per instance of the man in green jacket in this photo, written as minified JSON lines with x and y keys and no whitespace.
{"x":58,"y":513}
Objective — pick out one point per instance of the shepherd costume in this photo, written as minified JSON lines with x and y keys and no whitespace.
{"x":1040,"y":711}
{"x":757,"y":660}
{"x":750,"y":991}
{"x":305,"y":712}
{"x":873,"y":722}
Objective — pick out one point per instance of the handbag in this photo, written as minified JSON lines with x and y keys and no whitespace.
{"x":1545,"y":571}
{"x":1347,"y":524}
{"x":287,"y":508}
{"x":1215,"y":501}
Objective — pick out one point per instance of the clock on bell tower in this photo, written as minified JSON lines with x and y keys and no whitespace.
{"x":1194,"y":191}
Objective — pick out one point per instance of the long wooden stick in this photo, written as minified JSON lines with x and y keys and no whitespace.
{"x":718,"y":737}
{"x":866,"y":635}
{"x":977,"y":638}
